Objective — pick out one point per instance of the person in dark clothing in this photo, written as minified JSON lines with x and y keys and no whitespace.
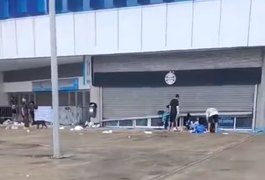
{"x":187,"y":121}
{"x":13,"y":104}
{"x":25,"y":113}
{"x":174,"y":111}
{"x":32,"y":108}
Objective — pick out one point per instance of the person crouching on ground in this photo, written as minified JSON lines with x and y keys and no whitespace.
{"x":212,"y":119}
{"x":166,"y":118}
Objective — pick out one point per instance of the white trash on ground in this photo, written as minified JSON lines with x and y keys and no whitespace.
{"x":107,"y":132}
{"x":78,"y":128}
{"x":148,"y":132}
{"x":7,"y":122}
{"x":91,"y":125}
{"x":62,"y":128}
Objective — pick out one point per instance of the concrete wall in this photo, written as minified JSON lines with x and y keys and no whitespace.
{"x":188,"y":60}
{"x":65,"y":71}
{"x":182,"y":25}
{"x":260,"y":112}
{"x":3,"y":96}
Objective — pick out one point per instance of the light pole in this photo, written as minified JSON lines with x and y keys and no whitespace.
{"x":54,"y":78}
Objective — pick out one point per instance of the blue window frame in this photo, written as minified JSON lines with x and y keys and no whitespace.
{"x":38,"y":7}
{"x":101,"y":4}
{"x":4,"y":9}
{"x":125,"y":3}
{"x":61,"y":6}
{"x":21,"y":8}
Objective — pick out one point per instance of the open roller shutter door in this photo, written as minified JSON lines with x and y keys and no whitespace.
{"x":138,"y":102}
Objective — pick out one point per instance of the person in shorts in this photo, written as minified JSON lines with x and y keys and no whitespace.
{"x":212,"y":119}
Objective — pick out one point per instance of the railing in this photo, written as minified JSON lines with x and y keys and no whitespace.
{"x":5,"y":113}
{"x":155,"y":121}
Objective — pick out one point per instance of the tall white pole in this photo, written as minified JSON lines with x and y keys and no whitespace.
{"x":54,"y":77}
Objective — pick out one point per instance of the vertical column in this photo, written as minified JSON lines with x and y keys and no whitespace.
{"x":260,"y":113}
{"x":3,"y":95}
{"x":95,"y":96}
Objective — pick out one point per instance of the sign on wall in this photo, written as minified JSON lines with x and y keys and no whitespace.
{"x":86,"y":71}
{"x":63,"y":85}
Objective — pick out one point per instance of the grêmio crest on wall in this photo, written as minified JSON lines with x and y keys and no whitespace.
{"x":170,"y":78}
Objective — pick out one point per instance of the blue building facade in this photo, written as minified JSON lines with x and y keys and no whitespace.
{"x":24,"y":8}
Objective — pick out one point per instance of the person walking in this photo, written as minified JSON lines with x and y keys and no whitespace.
{"x":174,"y":112}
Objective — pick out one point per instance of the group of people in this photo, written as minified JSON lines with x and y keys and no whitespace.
{"x":25,"y":111}
{"x":171,"y":119}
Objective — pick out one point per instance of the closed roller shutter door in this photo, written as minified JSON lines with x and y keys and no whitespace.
{"x":138,"y":102}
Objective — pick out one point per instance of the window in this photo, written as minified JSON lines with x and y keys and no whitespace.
{"x":61,"y":6}
{"x":4,"y":9}
{"x":156,"y":122}
{"x":244,"y":122}
{"x":226,"y":122}
{"x":126,"y":123}
{"x":141,"y":122}
{"x":21,"y":8}
{"x":101,"y":4}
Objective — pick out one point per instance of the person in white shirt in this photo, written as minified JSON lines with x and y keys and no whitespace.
{"x":212,"y":119}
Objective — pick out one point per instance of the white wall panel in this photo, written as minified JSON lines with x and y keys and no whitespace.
{"x":206,"y":24}
{"x":9,"y":45}
{"x":85,"y":33}
{"x":130,"y":30}
{"x":107,"y":31}
{"x":1,"y":46}
{"x":25,"y":37}
{"x":234,"y":23}
{"x":257,"y":25}
{"x":65,"y":34}
{"x":154,"y":28}
{"x":179,"y":25}
{"x":42,"y":36}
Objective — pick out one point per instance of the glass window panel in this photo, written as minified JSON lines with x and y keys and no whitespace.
{"x":101,"y":4}
{"x":63,"y":98}
{"x":75,"y":5}
{"x":244,"y":122}
{"x":226,"y":122}
{"x":61,"y":6}
{"x":141,"y":122}
{"x":110,"y":123}
{"x":126,"y":123}
{"x":87,"y":96}
{"x":4,"y":9}
{"x":156,"y":122}
{"x":72,"y":99}
{"x":80,"y":99}
{"x":44,"y":98}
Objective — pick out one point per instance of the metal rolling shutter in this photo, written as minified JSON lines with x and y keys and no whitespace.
{"x":138,"y":102}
